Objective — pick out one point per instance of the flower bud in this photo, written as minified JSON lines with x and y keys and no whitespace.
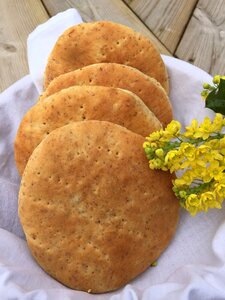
{"x":206,"y":86}
{"x":159,"y":152}
{"x":216,"y":79}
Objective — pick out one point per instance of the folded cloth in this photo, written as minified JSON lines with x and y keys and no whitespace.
{"x":192,"y":267}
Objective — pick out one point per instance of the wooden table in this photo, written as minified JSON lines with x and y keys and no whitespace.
{"x":190,"y":30}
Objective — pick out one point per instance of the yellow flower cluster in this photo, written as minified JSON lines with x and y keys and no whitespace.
{"x":200,"y":153}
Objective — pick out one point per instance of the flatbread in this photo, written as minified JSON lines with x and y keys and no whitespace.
{"x":79,"y":103}
{"x":117,"y":75}
{"x":104,"y":41}
{"x":94,"y":215}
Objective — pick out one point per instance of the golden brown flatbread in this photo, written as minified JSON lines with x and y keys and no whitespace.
{"x":104,"y":41}
{"x":117,"y":75}
{"x":94,"y":215}
{"x":79,"y":103}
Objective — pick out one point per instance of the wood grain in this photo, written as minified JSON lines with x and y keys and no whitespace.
{"x":167,"y":19}
{"x":203,"y":43}
{"x":114,"y":10}
{"x":17,"y":19}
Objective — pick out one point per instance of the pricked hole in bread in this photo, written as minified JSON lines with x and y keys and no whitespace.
{"x":33,"y":236}
{"x":68,"y":260}
{"x":81,"y":107}
{"x":44,"y":123}
{"x":85,"y":266}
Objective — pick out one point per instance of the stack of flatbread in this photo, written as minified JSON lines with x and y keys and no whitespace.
{"x":94,"y":215}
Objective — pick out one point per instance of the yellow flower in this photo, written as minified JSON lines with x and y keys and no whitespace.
{"x":213,"y":144}
{"x":190,"y":130}
{"x":220,"y":189}
{"x":209,"y":200}
{"x":179,"y":182}
{"x":202,"y":150}
{"x":159,"y":153}
{"x":154,"y":136}
{"x":173,"y":128}
{"x":204,"y":130}
{"x":221,"y":146}
{"x":154,"y":145}
{"x":173,"y":160}
{"x":185,"y":180}
{"x":217,"y":123}
{"x":216,"y":155}
{"x":146,"y":145}
{"x":215,"y":171}
{"x":171,"y":155}
{"x":188,"y":150}
{"x":155,"y":163}
{"x":216,"y":79}
{"x":193,"y":204}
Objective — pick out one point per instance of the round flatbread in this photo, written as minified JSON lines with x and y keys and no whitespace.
{"x":79,"y":103}
{"x":94,"y":215}
{"x":121,"y":76}
{"x":104,"y":41}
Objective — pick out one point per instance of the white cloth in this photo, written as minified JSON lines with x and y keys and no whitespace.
{"x":192,"y":267}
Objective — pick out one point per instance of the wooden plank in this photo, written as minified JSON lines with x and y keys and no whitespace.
{"x":167,"y":19}
{"x":203,"y":43}
{"x":17,"y":19}
{"x":113,"y":10}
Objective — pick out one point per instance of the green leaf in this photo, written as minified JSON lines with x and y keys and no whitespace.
{"x":216,"y":99}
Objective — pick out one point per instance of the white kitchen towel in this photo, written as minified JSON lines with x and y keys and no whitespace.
{"x":192,"y":267}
